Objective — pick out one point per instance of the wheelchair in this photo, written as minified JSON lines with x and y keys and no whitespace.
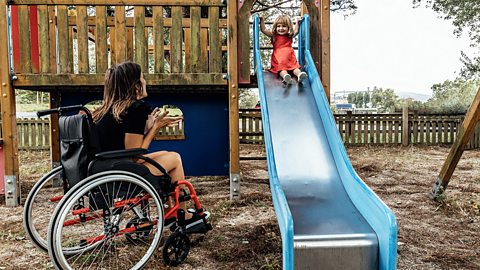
{"x":108,"y":211}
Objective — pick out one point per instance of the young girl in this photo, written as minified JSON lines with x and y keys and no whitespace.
{"x":283,"y":57}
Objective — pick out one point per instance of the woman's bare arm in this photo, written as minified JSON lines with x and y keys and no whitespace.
{"x":161,"y":120}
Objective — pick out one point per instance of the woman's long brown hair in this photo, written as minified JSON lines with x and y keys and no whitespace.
{"x":122,"y":82}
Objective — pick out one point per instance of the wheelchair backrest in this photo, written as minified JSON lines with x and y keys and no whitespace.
{"x":78,"y":145}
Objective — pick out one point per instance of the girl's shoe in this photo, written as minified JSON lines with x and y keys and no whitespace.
{"x":302,"y":76}
{"x":287,"y":79}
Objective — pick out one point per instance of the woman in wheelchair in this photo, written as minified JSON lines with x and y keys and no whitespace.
{"x":111,"y":207}
{"x":124,"y":121}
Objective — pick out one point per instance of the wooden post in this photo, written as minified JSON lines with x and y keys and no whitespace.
{"x":233,"y":99}
{"x":325,"y":46}
{"x":405,"y":129}
{"x":54,"y":136}
{"x":120,"y":45}
{"x":463,"y":136}
{"x":101,"y":50}
{"x":9,"y":124}
{"x":313,"y":8}
{"x":319,"y":12}
{"x":176,"y":34}
{"x":245,"y":7}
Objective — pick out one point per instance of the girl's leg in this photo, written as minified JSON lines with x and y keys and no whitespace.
{"x":285,"y":77}
{"x":300,"y":74}
{"x":172,"y":163}
{"x":297,"y":72}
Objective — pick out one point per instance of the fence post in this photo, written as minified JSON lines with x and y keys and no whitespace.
{"x":405,"y":129}
{"x":350,"y":125}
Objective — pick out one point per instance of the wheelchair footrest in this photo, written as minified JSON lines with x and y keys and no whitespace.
{"x":200,"y":228}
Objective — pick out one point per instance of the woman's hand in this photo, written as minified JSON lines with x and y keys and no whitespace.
{"x":151,"y":119}
{"x":161,"y":119}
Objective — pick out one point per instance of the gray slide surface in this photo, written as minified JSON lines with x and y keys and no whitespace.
{"x":326,"y":222}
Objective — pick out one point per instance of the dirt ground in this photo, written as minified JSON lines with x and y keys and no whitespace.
{"x":431,"y":235}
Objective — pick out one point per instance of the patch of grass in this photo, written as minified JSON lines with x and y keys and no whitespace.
{"x":270,"y":264}
{"x":223,"y":255}
{"x":31,"y":107}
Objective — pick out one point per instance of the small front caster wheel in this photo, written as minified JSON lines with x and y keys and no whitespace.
{"x":176,"y":248}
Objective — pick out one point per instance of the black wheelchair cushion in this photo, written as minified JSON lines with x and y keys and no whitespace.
{"x":78,"y":146}
{"x":160,"y":183}
{"x":132,"y":152}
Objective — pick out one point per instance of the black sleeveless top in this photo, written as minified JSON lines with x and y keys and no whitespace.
{"x":112,"y":133}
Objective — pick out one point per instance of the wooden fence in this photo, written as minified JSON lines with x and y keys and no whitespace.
{"x":34,"y":133}
{"x":381,"y":129}
{"x":355,"y":129}
{"x":251,"y":129}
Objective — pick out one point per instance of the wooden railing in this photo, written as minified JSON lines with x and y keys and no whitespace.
{"x":73,"y":42}
{"x":251,"y":129}
{"x":33,"y":134}
{"x":355,"y":129}
{"x":381,"y":129}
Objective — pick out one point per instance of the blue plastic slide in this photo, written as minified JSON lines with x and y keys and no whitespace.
{"x":328,"y":217}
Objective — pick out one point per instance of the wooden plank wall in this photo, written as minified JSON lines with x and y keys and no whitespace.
{"x":166,"y":39}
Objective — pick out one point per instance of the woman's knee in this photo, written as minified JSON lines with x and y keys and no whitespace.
{"x":174,"y":156}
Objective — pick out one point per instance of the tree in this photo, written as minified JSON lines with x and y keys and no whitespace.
{"x":452,"y":96}
{"x":31,"y":97}
{"x":384,"y":100}
{"x":353,"y":98}
{"x":366,"y":98}
{"x":247,"y":98}
{"x":465,"y":16}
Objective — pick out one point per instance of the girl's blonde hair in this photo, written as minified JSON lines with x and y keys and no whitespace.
{"x":285,"y":20}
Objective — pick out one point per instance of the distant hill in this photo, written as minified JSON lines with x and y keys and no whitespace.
{"x":414,"y":96}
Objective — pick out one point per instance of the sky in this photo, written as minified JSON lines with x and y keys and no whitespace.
{"x":389,"y":44}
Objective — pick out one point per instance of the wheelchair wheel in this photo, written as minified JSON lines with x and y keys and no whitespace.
{"x":118,"y":224}
{"x":39,"y":206}
{"x":176,"y":248}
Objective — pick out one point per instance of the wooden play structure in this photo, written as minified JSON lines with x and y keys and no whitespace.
{"x":463,"y":136}
{"x":64,"y":47}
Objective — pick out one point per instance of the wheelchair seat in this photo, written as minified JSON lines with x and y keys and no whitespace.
{"x":162,"y":184}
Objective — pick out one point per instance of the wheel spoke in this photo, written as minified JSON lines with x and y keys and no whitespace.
{"x":111,"y":250}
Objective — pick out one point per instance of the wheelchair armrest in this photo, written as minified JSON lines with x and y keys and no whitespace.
{"x":121,"y":153}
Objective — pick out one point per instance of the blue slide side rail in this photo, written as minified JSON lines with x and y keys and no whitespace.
{"x":282,"y":211}
{"x":378,"y":215}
